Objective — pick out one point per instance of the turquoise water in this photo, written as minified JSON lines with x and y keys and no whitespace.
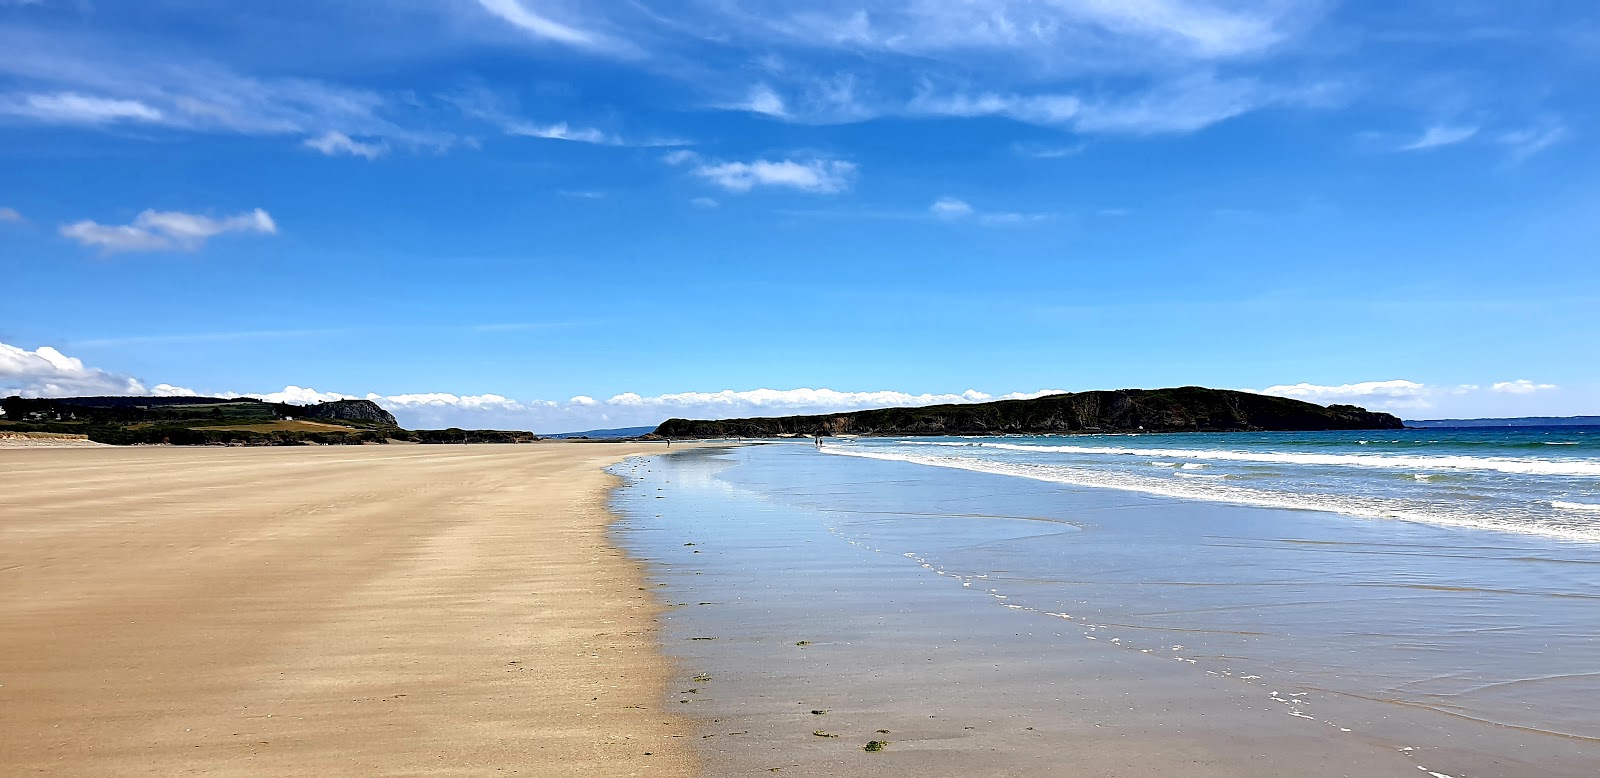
{"x":1535,"y":480}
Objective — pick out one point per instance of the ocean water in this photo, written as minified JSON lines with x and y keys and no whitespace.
{"x":1003,"y":606}
{"x":1537,"y":480}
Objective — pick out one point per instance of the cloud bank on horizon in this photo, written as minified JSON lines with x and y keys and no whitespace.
{"x":46,"y":372}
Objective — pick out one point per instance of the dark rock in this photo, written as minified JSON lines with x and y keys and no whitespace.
{"x":1182,"y":409}
{"x":349,"y":410}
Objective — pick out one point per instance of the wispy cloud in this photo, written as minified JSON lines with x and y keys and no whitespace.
{"x":1059,"y":33}
{"x":1526,"y":142}
{"x":954,"y":210}
{"x":166,"y":230}
{"x":523,"y":17}
{"x":71,"y":83}
{"x":74,"y":108}
{"x":334,"y":143}
{"x":10,"y":215}
{"x":763,"y":100}
{"x":814,"y":175}
{"x":1178,"y":106}
{"x":1441,"y":135}
{"x":1046,"y":151}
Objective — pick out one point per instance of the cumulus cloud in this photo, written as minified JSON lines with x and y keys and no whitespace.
{"x":1520,"y":386}
{"x":46,"y":372}
{"x":162,"y":230}
{"x":950,"y":208}
{"x":334,"y":143}
{"x":818,"y":176}
{"x":814,"y":175}
{"x":1375,"y":395}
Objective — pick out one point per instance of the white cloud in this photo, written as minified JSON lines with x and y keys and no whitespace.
{"x":564,"y":131}
{"x":160,"y":230}
{"x":1038,"y":151}
{"x":704,"y":202}
{"x":952,"y":209}
{"x":1182,"y":105}
{"x":1378,"y":395}
{"x":1520,"y":386}
{"x":65,"y":81}
{"x":46,"y":372}
{"x":816,"y":175}
{"x":1529,"y":141}
{"x":1441,"y":135}
{"x":334,"y":143}
{"x":10,"y":215}
{"x":1048,"y":32}
{"x":515,"y":13}
{"x":1460,"y":400}
{"x":74,"y":108}
{"x":762,"y":100}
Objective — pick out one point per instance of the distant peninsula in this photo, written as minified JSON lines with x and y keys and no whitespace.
{"x":241,"y":421}
{"x":1515,"y":421}
{"x":1181,"y":409}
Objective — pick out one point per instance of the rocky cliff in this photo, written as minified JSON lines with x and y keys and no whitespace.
{"x":349,"y":410}
{"x":1183,"y":409}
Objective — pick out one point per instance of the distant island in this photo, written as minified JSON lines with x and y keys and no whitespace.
{"x":225,"y":421}
{"x":1182,"y":409}
{"x":1515,"y":421}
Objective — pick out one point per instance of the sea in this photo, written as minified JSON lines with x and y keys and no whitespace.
{"x":1535,"y":480}
{"x":1325,"y":603}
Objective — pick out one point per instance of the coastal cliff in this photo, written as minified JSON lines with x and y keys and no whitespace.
{"x":1182,"y":409}
{"x":235,"y":421}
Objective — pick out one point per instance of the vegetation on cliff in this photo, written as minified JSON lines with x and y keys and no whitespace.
{"x":226,"y":421}
{"x":1182,"y":409}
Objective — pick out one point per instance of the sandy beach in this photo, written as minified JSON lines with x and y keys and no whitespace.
{"x":325,"y":611}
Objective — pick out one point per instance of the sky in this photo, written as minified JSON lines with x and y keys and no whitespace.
{"x":561,"y":215}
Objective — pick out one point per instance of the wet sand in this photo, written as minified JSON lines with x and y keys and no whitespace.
{"x":819,"y":603}
{"x":325,"y":611}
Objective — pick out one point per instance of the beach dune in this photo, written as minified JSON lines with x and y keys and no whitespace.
{"x":340,"y":610}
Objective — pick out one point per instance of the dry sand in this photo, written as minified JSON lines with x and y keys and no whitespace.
{"x":353,"y":610}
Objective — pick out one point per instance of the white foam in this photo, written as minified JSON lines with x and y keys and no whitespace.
{"x":1197,"y":487}
{"x":1586,"y":507}
{"x":1519,"y":465}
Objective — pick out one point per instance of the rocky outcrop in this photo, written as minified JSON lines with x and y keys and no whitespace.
{"x":1183,"y":409}
{"x":348,"y":410}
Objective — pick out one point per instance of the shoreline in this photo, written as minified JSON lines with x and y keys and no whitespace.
{"x":992,"y":626}
{"x":321,"y":610}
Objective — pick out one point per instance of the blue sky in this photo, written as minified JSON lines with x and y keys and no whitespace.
{"x":479,"y":211}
